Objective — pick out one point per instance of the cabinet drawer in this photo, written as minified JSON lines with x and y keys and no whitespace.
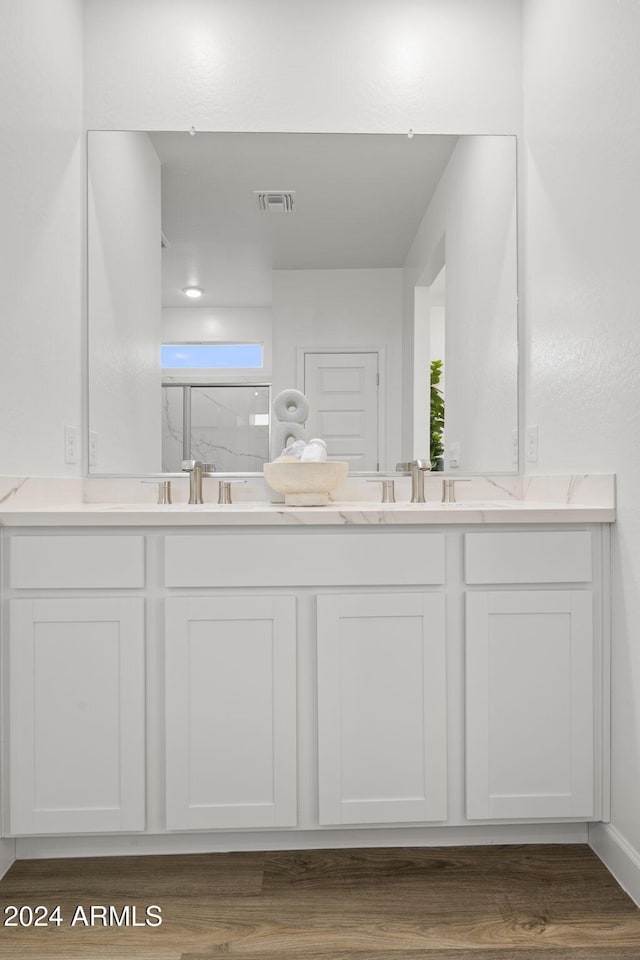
{"x":545,"y":557}
{"x":314,"y":559}
{"x":59,"y":562}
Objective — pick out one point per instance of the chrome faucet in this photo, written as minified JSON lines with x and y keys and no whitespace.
{"x":418,"y":469}
{"x":194,"y":468}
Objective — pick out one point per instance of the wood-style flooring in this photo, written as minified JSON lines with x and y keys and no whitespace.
{"x":451,"y":903}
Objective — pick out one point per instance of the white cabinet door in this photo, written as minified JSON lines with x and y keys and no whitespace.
{"x":77,"y":696}
{"x":529,"y":704}
{"x":382,"y":708}
{"x":231,"y":712}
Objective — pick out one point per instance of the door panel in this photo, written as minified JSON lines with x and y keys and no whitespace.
{"x":231,"y":712}
{"x":382,"y":708}
{"x":342,"y":389}
{"x":77,"y":694}
{"x":529,"y":704}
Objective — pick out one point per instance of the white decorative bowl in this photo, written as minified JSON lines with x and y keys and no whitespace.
{"x":306,"y":484}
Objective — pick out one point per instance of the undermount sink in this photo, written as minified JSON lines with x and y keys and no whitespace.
{"x":144,"y":506}
{"x":473,"y":504}
{"x":164,"y":507}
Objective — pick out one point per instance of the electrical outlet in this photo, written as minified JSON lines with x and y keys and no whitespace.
{"x":70,"y":444}
{"x":453,"y":455}
{"x":93,"y":448}
{"x":532,"y":443}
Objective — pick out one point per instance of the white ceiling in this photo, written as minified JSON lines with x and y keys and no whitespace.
{"x":359,"y":201}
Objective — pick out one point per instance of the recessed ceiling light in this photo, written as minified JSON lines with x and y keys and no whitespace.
{"x":194,"y":292}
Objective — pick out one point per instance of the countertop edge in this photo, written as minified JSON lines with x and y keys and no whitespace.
{"x":112,"y":516}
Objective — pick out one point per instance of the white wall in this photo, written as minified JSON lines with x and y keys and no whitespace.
{"x":582,"y":77}
{"x":40,"y":240}
{"x":471,"y":223}
{"x":321,"y":309}
{"x":124,"y":304}
{"x":341,"y":65}
{"x":41,"y":198}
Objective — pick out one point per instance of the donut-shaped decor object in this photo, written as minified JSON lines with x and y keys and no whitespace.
{"x":291,"y":406}
{"x":281,"y":433}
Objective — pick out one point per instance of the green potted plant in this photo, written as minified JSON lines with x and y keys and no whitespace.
{"x":436,"y":417}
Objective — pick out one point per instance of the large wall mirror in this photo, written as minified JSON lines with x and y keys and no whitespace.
{"x":377,"y":273}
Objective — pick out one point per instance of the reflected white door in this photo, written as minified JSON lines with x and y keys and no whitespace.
{"x":342,"y":389}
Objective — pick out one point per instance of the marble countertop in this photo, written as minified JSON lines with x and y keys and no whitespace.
{"x":268,"y":514}
{"x":77,"y":502}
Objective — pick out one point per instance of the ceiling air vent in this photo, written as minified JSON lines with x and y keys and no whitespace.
{"x":275,"y":201}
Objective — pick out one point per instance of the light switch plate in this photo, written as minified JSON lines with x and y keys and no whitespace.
{"x":93,"y":448}
{"x":532,"y":443}
{"x":453,"y":454}
{"x":70,"y":444}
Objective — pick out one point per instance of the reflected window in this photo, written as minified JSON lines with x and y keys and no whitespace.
{"x":210,"y":356}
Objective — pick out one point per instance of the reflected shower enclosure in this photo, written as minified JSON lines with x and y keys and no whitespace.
{"x":224,"y":425}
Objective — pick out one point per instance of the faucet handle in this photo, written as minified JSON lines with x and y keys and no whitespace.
{"x":189,"y":465}
{"x":164,"y":489}
{"x":224,"y":490}
{"x":404,"y":467}
{"x":388,"y":489}
{"x":449,"y":488}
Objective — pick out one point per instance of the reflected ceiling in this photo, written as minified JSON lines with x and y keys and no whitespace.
{"x":359,"y":201}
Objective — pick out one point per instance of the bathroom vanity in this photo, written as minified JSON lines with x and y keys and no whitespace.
{"x":260,"y":668}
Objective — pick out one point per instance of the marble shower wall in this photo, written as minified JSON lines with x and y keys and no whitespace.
{"x":172,"y":400}
{"x":229,"y":427}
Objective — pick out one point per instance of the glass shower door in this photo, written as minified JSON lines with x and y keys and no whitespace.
{"x":227,"y":426}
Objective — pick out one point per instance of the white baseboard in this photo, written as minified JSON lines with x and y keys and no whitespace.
{"x":618,"y":856}
{"x":36,"y":848}
{"x":7,"y":855}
